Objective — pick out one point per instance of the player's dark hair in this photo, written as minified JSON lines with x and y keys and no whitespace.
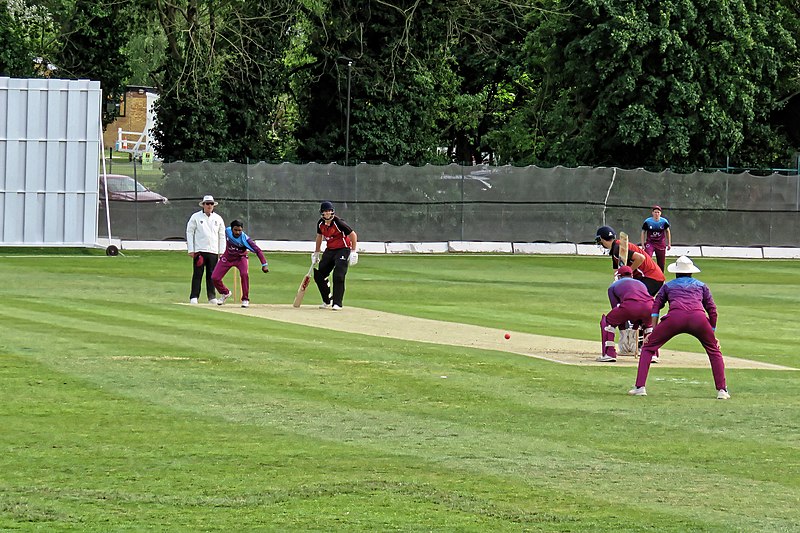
{"x":235,"y":223}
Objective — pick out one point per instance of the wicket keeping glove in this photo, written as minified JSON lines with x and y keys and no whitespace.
{"x":353,"y":259}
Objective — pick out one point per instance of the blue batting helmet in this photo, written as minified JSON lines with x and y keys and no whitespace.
{"x":605,"y":233}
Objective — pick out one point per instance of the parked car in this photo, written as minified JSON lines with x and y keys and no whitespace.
{"x":123,"y":188}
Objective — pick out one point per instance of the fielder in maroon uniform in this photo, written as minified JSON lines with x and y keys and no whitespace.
{"x":691,"y":310}
{"x":630,"y":302}
{"x":237,"y":243}
{"x":340,"y":252}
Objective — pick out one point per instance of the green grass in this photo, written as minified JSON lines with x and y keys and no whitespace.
{"x":122,"y":411}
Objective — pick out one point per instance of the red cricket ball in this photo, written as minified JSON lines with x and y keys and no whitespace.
{"x":507,"y":335}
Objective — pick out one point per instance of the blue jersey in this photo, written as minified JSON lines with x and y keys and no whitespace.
{"x":656,"y":231}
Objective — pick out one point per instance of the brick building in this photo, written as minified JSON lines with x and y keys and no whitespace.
{"x":135,"y":116}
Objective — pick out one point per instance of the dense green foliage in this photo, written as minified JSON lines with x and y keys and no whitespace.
{"x":414,"y":85}
{"x":223,"y":80}
{"x":16,"y":57}
{"x":92,"y":37}
{"x":123,"y":410}
{"x":684,"y":84}
{"x":69,"y":39}
{"x":419,"y":78}
{"x":679,"y":83}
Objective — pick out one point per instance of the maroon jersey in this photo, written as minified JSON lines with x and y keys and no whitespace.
{"x":335,"y":235}
{"x":628,"y":290}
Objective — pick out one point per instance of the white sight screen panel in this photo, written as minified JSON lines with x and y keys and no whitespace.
{"x":49,"y":152}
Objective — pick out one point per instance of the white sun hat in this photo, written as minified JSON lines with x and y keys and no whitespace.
{"x":208,"y":198}
{"x":683,"y":265}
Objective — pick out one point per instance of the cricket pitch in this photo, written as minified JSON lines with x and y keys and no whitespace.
{"x":555,"y":349}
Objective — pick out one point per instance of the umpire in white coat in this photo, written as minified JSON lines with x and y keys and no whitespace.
{"x":205,"y":239}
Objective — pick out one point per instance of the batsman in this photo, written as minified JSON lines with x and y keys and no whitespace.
{"x":630,"y":302}
{"x":643,"y":266}
{"x":623,"y":253}
{"x":340,"y":253}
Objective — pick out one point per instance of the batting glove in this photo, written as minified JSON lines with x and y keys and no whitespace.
{"x":353,"y":259}
{"x":314,"y":258}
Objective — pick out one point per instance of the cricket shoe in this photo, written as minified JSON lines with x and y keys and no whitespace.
{"x":723,"y":394}
{"x":323,"y":305}
{"x":637,"y":391}
{"x":606,"y":359}
{"x":214,"y":301}
{"x":192,"y":301}
{"x":654,"y":359}
{"x":336,"y":307}
{"x":245,"y":303}
{"x":223,"y":297}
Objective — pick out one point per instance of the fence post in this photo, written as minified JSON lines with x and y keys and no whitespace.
{"x":462,"y":201}
{"x":136,"y":197}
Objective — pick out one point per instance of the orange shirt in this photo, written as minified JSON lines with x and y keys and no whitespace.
{"x":649,"y":268}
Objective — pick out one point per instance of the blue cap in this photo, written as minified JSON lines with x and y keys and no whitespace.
{"x":606,"y":233}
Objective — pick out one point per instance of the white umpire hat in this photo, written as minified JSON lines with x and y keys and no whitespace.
{"x":683,"y":265}
{"x":208,"y":198}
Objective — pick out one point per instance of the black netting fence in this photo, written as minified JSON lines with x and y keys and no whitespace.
{"x":470,"y":203}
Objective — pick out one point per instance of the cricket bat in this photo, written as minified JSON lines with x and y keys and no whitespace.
{"x":298,"y":299}
{"x":623,"y":248}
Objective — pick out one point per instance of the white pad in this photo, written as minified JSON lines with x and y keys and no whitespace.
{"x":628,"y":342}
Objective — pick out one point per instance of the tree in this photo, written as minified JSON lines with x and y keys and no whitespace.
{"x":426,"y":75}
{"x":222,"y":79}
{"x":253,"y":91}
{"x":492,"y":86}
{"x":16,"y":57}
{"x":92,"y":36}
{"x":145,"y":47}
{"x":68,"y":39}
{"x":675,"y":83}
{"x":399,"y":77}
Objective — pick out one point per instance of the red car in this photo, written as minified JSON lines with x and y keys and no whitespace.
{"x":126,"y":189}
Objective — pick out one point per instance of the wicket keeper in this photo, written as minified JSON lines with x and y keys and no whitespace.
{"x":630,"y":302}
